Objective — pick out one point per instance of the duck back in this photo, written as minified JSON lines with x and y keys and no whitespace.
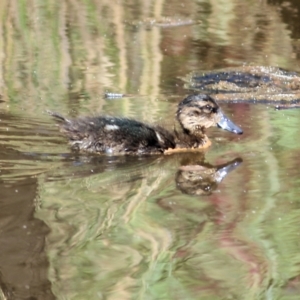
{"x":113,"y":135}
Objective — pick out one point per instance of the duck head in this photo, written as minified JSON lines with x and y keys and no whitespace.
{"x":198,"y":112}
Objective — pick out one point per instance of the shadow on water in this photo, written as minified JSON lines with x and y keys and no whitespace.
{"x":24,"y":263}
{"x":23,"y":260}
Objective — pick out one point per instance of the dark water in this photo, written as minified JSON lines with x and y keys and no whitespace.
{"x":160,"y":227}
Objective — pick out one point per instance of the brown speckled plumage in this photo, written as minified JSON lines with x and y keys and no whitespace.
{"x":114,"y":135}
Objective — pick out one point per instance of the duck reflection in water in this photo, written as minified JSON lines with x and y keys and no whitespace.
{"x":202,"y":178}
{"x":114,"y":136}
{"x":194,"y":176}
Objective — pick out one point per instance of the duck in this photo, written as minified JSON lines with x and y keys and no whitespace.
{"x":122,"y":136}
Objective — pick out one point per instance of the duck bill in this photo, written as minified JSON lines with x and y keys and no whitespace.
{"x":227,"y":124}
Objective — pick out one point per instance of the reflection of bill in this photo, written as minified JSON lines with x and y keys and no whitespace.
{"x":203,"y":179}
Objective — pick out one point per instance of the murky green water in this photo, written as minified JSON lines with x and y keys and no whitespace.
{"x":161,"y":227}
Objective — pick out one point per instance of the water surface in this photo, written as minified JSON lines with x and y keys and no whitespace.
{"x":75,"y":226}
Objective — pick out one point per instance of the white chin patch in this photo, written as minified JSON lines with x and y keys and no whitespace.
{"x":111,"y":127}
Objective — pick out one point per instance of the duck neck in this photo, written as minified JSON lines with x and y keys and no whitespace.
{"x":184,"y":138}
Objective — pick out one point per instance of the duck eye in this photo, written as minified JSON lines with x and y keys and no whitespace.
{"x":208,"y":107}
